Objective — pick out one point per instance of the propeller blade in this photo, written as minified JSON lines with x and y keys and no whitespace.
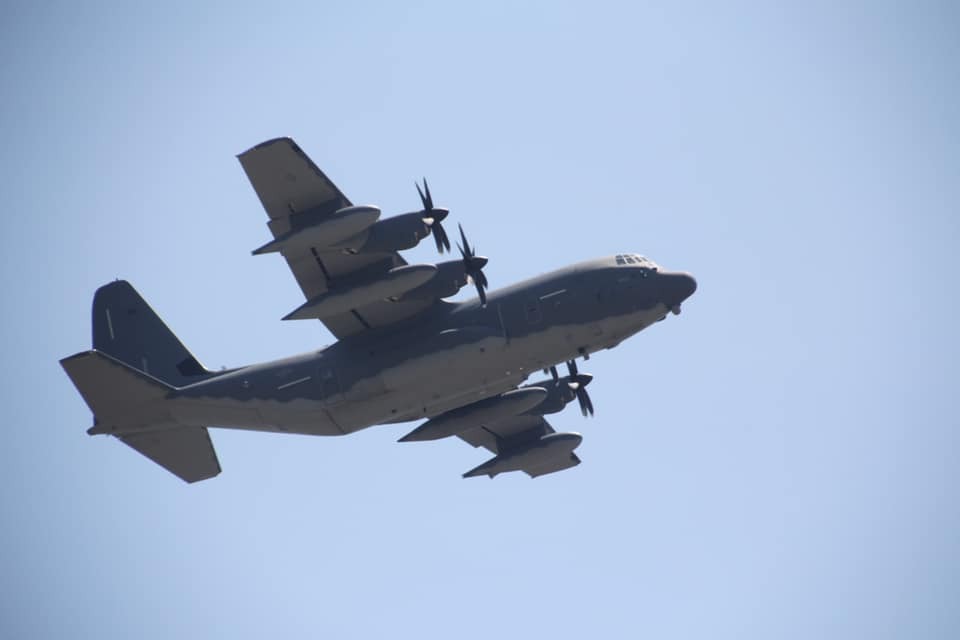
{"x":440,"y":236}
{"x":483,"y":296}
{"x":577,"y":383}
{"x":465,"y":249}
{"x":481,"y":279}
{"x":432,"y":217}
{"x":553,"y":372}
{"x":428,"y":203}
{"x":423,"y":198}
{"x":473,"y":266}
{"x":586,"y":406}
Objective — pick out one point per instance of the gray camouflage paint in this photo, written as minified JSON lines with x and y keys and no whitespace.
{"x":459,"y":354}
{"x":405,"y":354}
{"x":455,"y":361}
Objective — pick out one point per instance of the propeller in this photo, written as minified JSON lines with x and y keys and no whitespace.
{"x":473,"y":266}
{"x":578,"y":384}
{"x":433,"y":216}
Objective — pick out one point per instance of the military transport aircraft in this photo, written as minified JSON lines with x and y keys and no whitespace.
{"x":403,"y":352}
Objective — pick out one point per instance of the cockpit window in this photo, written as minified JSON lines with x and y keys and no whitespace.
{"x":647,"y":262}
{"x":633,"y":258}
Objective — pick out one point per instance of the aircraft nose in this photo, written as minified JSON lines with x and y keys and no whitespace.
{"x":678,"y":287}
{"x":688,"y":285}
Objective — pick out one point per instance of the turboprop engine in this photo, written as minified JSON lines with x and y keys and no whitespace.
{"x":562,"y":391}
{"x":390,"y":234}
{"x":404,"y":231}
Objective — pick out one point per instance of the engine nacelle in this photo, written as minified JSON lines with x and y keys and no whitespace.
{"x":547,"y":454}
{"x":559,"y":395}
{"x":385,"y":236}
{"x":449,"y":279}
{"x":324,"y":232}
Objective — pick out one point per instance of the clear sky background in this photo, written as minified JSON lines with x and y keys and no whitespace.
{"x":780,"y":461}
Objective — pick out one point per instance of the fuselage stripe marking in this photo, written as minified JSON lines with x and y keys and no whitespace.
{"x":558,"y":292}
{"x":294,"y":382}
{"x":110,"y":324}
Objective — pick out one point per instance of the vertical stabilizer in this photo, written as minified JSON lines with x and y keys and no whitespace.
{"x":127,"y":329}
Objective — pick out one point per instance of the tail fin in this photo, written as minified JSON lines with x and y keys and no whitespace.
{"x":127,"y":379}
{"x":128,"y":330}
{"x":132,"y":405}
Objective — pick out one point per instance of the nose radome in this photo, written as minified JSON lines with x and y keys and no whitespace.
{"x":680,"y":286}
{"x":688,"y":285}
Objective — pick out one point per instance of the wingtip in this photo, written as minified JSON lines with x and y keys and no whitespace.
{"x":267,"y":143}
{"x":76,"y":356}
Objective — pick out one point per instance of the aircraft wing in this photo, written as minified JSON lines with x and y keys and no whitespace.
{"x":503,"y":435}
{"x":289,"y":184}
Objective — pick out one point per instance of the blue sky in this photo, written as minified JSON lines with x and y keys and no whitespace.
{"x":779,"y":461}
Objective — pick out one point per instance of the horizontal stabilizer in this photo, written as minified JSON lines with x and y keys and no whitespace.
{"x":186,"y":452}
{"x":117,"y":394}
{"x":131,"y":405}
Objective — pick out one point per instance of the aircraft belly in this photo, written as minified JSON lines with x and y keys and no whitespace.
{"x":551,"y":345}
{"x":357,"y":415}
{"x":453,"y":375}
{"x":445,"y":365}
{"x":470,"y":392}
{"x":300,"y":416}
{"x":458,"y":370}
{"x":563,"y":342}
{"x":431,"y":385}
{"x":216,"y":411}
{"x":621,"y":327}
{"x":297,"y":416}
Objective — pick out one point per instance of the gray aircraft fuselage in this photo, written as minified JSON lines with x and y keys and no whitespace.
{"x":458,"y":354}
